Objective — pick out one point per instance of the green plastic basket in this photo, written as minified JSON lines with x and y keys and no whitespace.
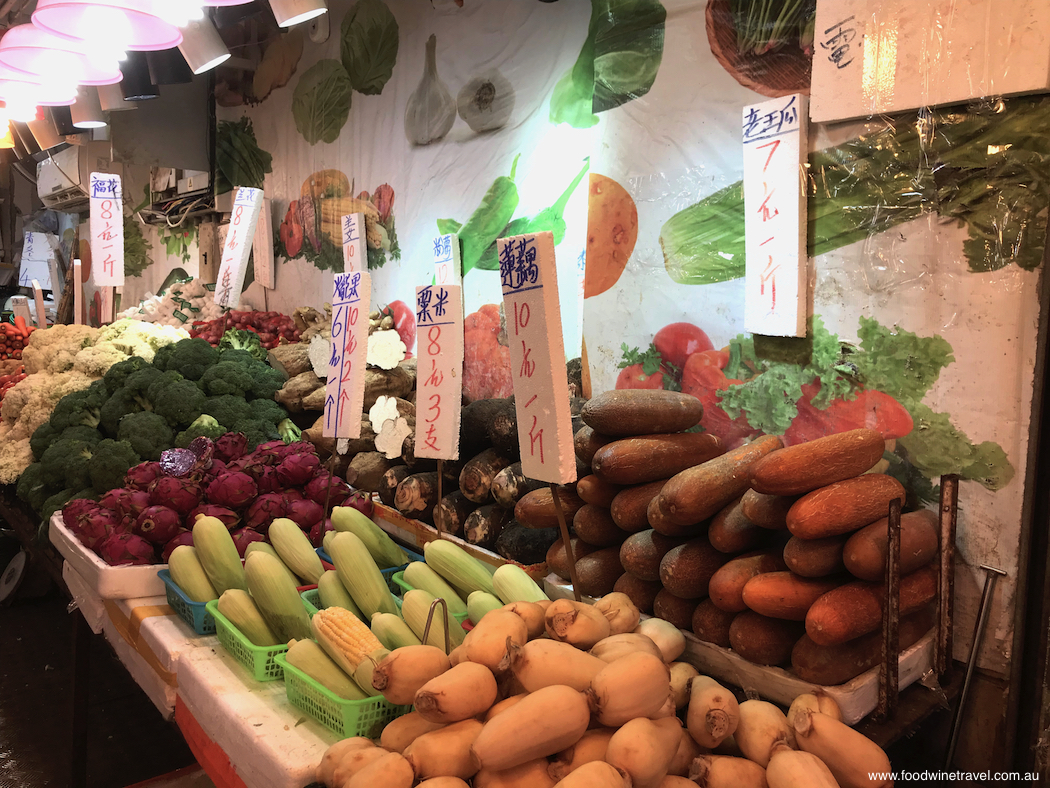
{"x":346,"y":717}
{"x":259,"y":660}
{"x":399,"y":578}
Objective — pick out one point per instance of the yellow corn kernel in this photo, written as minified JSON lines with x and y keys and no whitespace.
{"x":344,"y":636}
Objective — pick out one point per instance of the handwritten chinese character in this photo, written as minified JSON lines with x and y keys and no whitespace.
{"x":527,"y":367}
{"x":517,"y":264}
{"x":423,"y":306}
{"x":441,"y":303}
{"x":436,"y":376}
{"x":769,"y":275}
{"x":765,"y":210}
{"x":837,"y":43}
{"x":443,"y":248}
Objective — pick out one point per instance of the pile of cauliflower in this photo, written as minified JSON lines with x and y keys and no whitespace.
{"x":58,"y":361}
{"x":179,"y":305}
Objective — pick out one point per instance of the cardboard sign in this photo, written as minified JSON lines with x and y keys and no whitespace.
{"x":345,"y":389}
{"x":774,"y":136}
{"x":355,"y":255}
{"x":20,"y":307}
{"x":447,"y":267}
{"x":107,"y":229}
{"x":37,"y":255}
{"x":41,"y":310}
{"x":247,"y":206}
{"x":537,"y":356}
{"x":439,"y":322}
{"x":262,"y":248}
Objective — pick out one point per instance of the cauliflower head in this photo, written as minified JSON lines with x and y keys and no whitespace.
{"x":53,"y":349}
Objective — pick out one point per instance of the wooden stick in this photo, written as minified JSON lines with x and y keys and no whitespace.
{"x":441,"y":474}
{"x":949,"y":518}
{"x":566,"y":541}
{"x":41,"y":315}
{"x":889,"y":686}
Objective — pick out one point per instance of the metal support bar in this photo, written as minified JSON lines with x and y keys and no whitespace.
{"x":949,"y":520}
{"x":889,"y":680}
{"x":430,"y":619}
{"x":566,"y":541}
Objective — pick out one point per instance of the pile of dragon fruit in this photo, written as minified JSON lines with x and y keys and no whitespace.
{"x":142,"y":522}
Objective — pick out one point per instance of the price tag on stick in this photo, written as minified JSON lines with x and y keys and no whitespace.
{"x":447,"y":266}
{"x":355,"y":255}
{"x":78,"y":294}
{"x":247,"y":206}
{"x":262,"y":248}
{"x":774,"y":135}
{"x":107,"y":229}
{"x":439,"y":321}
{"x":537,"y":356}
{"x":345,"y":389}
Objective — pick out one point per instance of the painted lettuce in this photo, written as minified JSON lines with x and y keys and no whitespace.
{"x":321,"y":103}
{"x":369,"y":46}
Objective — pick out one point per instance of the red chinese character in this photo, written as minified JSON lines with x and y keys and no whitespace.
{"x":527,"y":367}
{"x":535,"y":436}
{"x":430,"y":440}
{"x":436,"y":376}
{"x":773,"y":149}
{"x":765,"y":209}
{"x":769,"y":275}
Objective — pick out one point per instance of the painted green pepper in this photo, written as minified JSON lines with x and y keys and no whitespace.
{"x":487,"y":223}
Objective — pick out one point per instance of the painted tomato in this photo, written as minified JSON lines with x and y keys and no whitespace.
{"x":404,"y":323}
{"x":292,"y":231}
{"x":633,"y":377}
{"x":678,"y":341}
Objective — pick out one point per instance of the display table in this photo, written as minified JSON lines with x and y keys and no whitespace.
{"x":242,"y":732}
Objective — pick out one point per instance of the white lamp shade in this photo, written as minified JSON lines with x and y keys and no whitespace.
{"x":202,"y":46}
{"x":292,"y":12}
{"x":119,"y":24}
{"x":87,"y":111}
{"x":44,"y":132}
{"x":111,"y":99}
{"x":43,"y":55}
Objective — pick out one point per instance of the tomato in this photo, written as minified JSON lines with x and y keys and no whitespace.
{"x":678,"y":341}
{"x":292,"y":231}
{"x":404,"y":323}
{"x":873,"y":409}
{"x":633,"y":377}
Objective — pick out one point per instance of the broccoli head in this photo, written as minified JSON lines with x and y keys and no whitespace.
{"x":242,"y":357}
{"x":258,"y":432}
{"x":42,"y":437}
{"x":267,"y":410}
{"x":203,"y":427}
{"x":227,"y":377}
{"x":228,"y":410}
{"x":83,"y":434}
{"x":190,"y":358}
{"x":81,"y":408}
{"x":148,"y":433}
{"x":162,"y":356}
{"x":33,"y":487}
{"x":117,"y":407}
{"x":240,"y":339}
{"x":111,"y":463}
{"x":140,"y":381}
{"x":267,"y":380}
{"x":67,"y":463}
{"x":290,"y":432}
{"x":118,"y":373}
{"x":178,"y":401}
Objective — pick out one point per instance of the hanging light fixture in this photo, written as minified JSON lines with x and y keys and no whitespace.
{"x":202,"y":46}
{"x":111,"y":99}
{"x":168,"y":67}
{"x":292,"y":12}
{"x":220,"y":3}
{"x":112,"y":25}
{"x":44,"y":132}
{"x":87,"y":112}
{"x":46,"y":56}
{"x":137,"y":84}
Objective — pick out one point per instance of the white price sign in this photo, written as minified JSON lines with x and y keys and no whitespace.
{"x":247,"y":206}
{"x":447,"y":265}
{"x":345,"y":388}
{"x":529,"y":278}
{"x":439,"y":320}
{"x":774,"y":136}
{"x":355,"y":256}
{"x":37,"y":256}
{"x":107,"y":229}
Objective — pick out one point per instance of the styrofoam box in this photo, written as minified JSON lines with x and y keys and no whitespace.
{"x":108,"y":582}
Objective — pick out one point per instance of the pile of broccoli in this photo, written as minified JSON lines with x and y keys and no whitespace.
{"x":139,"y":410}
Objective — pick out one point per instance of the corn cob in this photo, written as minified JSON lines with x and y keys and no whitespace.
{"x":311,"y":659}
{"x":479,"y":603}
{"x":277,"y":598}
{"x":416,"y":608}
{"x":513,"y":585}
{"x":382,"y":548}
{"x":419,"y":575}
{"x":294,"y":549}
{"x":186,"y":570}
{"x":266,"y":547}
{"x":359,"y":573}
{"x":239,"y":609}
{"x":457,"y":566}
{"x":334,"y":594}
{"x":392,"y":631}
{"x":344,"y":636}
{"x":218,"y":554}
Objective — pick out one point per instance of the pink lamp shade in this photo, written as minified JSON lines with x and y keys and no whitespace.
{"x":24,"y":93}
{"x":39,"y":54}
{"x":119,"y":24}
{"x":218,"y":3}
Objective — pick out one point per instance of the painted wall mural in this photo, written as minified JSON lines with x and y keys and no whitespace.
{"x":616,"y":125}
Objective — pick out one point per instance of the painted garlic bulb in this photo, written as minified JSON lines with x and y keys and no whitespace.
{"x":485,"y":103}
{"x":431,"y":110}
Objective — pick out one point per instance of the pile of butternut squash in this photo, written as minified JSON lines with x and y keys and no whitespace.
{"x":777,"y":553}
{"x":568,"y":695}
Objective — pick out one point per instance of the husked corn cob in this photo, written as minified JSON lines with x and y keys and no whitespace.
{"x":294,"y":549}
{"x":383,"y":549}
{"x":344,"y":636}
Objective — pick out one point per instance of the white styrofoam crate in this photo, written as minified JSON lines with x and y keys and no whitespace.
{"x":108,"y":582}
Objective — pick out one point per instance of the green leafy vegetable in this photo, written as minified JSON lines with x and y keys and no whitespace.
{"x":619,"y":61}
{"x":369,"y":45}
{"x":766,"y":25}
{"x":898,"y":362}
{"x":487,"y":222}
{"x":239,"y":161}
{"x":321,"y":102}
{"x":136,"y":248}
{"x":987,"y":169}
{"x":650,"y":360}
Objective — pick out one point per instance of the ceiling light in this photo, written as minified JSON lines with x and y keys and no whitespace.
{"x":202,"y":46}
{"x":225,"y":2}
{"x":168,"y":67}
{"x":292,"y":12}
{"x":87,"y":112}
{"x":18,"y":91}
{"x":116,"y":24}
{"x":111,"y":98}
{"x":137,"y":84}
{"x":35,"y":51}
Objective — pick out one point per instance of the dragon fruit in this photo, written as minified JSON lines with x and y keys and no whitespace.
{"x":142,"y":475}
{"x":319,"y":529}
{"x":298,"y":469}
{"x":317,"y":489}
{"x":126,"y":550}
{"x":361,"y":501}
{"x":305,"y":513}
{"x":235,"y":490}
{"x":126,"y":503}
{"x":89,"y":521}
{"x":157,"y":524}
{"x":217,"y":468}
{"x":265,"y":509}
{"x":230,"y":518}
{"x":182,"y":537}
{"x":267,"y":480}
{"x":181,"y":494}
{"x":231,"y":446}
{"x":244,"y":537}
